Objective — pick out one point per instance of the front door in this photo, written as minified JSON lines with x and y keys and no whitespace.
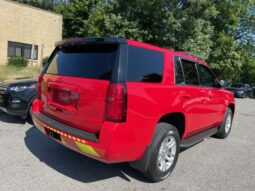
{"x":213,"y":95}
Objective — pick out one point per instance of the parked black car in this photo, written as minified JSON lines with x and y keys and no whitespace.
{"x":16,"y":96}
{"x":241,"y":90}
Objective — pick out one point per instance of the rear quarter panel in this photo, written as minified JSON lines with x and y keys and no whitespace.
{"x":147,"y":103}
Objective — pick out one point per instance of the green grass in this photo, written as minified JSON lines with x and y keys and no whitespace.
{"x":11,"y":72}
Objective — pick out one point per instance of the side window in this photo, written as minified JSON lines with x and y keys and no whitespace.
{"x":179,"y":77}
{"x":190,"y":72}
{"x":144,"y":65}
{"x":206,"y":78}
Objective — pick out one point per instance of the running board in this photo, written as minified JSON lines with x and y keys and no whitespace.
{"x":192,"y":140}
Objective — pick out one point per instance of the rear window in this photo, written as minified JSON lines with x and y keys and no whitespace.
{"x":91,"y":61}
{"x":144,"y":65}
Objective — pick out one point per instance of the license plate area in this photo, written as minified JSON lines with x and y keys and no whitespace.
{"x":62,"y":97}
{"x":54,"y":135}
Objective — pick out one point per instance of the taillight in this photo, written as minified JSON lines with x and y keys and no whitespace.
{"x":116,"y":103}
{"x":39,"y":84}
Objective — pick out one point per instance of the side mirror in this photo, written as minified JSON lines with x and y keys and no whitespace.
{"x":223,"y":83}
{"x":217,"y":84}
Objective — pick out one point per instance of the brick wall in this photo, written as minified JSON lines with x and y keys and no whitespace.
{"x":30,"y":25}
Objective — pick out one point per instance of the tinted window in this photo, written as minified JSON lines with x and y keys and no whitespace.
{"x":190,"y":72}
{"x":179,"y":78}
{"x":93,"y":61}
{"x":206,"y":78}
{"x":144,"y":65}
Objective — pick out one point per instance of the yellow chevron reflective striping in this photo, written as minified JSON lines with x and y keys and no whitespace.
{"x":63,"y":140}
{"x":87,"y":149}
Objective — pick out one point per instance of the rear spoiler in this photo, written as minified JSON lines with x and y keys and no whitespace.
{"x":83,"y":41}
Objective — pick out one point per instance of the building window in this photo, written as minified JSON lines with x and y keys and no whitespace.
{"x":22,"y":49}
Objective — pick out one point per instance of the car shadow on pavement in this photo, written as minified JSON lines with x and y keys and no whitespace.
{"x":11,"y":119}
{"x":73,"y":164}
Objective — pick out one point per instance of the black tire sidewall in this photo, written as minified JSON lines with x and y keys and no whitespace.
{"x":229,"y":112}
{"x":167,"y":130}
{"x":222,"y":132}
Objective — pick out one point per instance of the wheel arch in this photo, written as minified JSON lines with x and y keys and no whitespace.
{"x":176,"y":119}
{"x":232,"y":107}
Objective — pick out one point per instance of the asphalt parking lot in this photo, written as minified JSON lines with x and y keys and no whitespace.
{"x":31,"y":161}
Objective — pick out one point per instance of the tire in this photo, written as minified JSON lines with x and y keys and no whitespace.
{"x":29,"y":115}
{"x":157,"y":169}
{"x":225,"y":127}
{"x":30,"y":112}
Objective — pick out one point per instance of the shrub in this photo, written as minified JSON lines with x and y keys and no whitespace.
{"x":17,"y":62}
{"x":44,"y":61}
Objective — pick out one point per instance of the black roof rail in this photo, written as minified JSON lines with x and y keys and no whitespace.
{"x":90,"y":40}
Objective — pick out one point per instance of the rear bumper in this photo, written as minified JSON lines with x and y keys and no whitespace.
{"x":114,"y":143}
{"x":77,"y":143}
{"x":60,"y":127}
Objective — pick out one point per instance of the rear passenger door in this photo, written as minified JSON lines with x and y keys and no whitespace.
{"x":213,"y":95}
{"x":191,"y":96}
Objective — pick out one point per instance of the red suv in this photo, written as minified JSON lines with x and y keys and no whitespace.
{"x":119,"y":100}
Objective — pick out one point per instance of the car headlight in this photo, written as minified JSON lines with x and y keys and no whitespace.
{"x":21,"y":88}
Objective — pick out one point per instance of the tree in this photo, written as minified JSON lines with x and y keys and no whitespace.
{"x":153,"y":21}
{"x":229,"y":33}
{"x":215,"y":30}
{"x":248,"y":59}
{"x":75,"y":15}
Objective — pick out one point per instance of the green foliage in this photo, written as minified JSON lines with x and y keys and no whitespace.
{"x":217,"y":31}
{"x":17,"y":62}
{"x":225,"y":58}
{"x":248,"y":62}
{"x":231,"y":31}
{"x":164,"y":23}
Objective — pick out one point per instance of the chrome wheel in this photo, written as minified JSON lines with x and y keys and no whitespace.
{"x":228,"y":123}
{"x":166,"y":154}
